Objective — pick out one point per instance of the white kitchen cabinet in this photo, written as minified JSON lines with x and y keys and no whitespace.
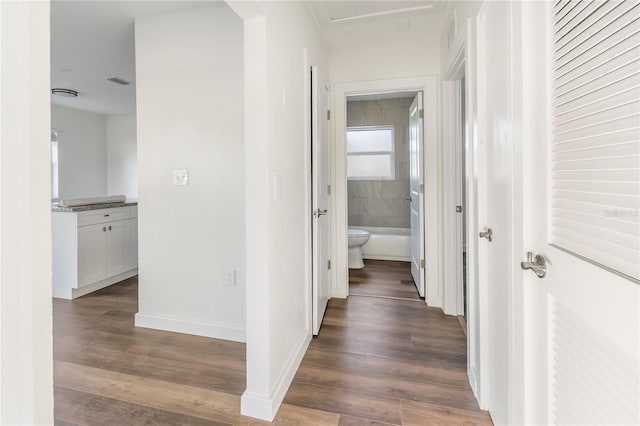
{"x":93,"y":249}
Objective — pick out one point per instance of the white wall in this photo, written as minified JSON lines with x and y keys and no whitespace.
{"x":277,"y":150}
{"x":190,"y":117}
{"x":82,"y":152}
{"x":403,"y":50}
{"x":26,"y":373}
{"x":409,"y":57}
{"x":122,"y":158}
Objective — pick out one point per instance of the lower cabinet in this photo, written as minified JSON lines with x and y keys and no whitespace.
{"x":93,"y":249}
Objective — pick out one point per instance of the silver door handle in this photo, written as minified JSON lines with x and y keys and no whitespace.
{"x":487,"y":233}
{"x":319,"y":213}
{"x":537,"y":265}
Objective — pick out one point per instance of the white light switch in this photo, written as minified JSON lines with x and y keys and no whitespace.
{"x":180,"y":177}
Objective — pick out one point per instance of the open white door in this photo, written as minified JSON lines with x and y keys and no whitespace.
{"x":320,"y":193}
{"x":584,"y":318}
{"x":416,"y":197}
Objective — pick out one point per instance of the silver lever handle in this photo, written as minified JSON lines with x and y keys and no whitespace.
{"x":488,"y":234}
{"x":319,"y":213}
{"x":537,"y":265}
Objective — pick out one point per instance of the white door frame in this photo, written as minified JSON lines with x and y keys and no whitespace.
{"x":427,"y":84}
{"x":464,"y":64}
{"x":453,"y":297}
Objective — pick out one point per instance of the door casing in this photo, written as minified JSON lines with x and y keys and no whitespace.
{"x":432,"y":193}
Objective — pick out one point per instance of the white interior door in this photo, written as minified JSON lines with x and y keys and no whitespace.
{"x":495,"y":202}
{"x":416,"y":199}
{"x":584,"y":319}
{"x":320,"y":194}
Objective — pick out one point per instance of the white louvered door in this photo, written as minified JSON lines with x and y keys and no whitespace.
{"x":583,"y":333}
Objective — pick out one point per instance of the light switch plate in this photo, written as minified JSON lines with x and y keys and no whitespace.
{"x":180,"y":177}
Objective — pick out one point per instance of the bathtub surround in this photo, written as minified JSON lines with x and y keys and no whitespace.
{"x":382,"y":202}
{"x":388,"y":244}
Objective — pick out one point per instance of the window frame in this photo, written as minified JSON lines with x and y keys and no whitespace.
{"x":391,"y":153}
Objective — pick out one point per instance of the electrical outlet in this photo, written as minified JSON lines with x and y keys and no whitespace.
{"x":231,"y":279}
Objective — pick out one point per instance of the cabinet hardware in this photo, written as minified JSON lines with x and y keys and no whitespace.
{"x":104,"y":229}
{"x":109,"y":227}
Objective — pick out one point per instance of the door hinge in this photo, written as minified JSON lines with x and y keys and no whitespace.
{"x":422,"y":263}
{"x":422,"y":188}
{"x":328,"y":264}
{"x":421,"y":113}
{"x":329,"y":114}
{"x":328,"y":189}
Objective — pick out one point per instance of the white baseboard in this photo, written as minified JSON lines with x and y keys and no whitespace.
{"x":266,"y":407}
{"x":199,"y":328}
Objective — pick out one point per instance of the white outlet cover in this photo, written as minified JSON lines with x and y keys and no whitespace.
{"x":180,"y":177}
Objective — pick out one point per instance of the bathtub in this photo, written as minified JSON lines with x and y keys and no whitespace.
{"x":387,"y":243}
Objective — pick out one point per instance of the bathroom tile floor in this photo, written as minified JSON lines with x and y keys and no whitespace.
{"x":376,"y":361}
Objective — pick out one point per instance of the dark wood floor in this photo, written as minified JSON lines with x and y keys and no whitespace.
{"x":381,"y":278}
{"x":376,"y":361}
{"x":389,"y":359}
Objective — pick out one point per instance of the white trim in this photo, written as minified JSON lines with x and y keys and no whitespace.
{"x":215,"y":330}
{"x":453,"y":297}
{"x":473,"y":300}
{"x":308,"y":195}
{"x":266,"y":408}
{"x":427,"y":84}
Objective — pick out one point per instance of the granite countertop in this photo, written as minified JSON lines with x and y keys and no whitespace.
{"x":56,"y":208}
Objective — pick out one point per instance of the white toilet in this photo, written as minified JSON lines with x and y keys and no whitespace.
{"x":357,"y":238}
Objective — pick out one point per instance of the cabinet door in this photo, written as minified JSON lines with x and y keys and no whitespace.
{"x":91,"y":254}
{"x":118,"y":247}
{"x":133,"y":243}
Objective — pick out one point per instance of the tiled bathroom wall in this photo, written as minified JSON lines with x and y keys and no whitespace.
{"x":382,"y":202}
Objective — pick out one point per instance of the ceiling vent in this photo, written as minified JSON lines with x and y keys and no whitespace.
{"x":118,"y":80}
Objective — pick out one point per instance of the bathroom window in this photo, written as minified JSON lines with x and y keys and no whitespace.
{"x":370,"y":153}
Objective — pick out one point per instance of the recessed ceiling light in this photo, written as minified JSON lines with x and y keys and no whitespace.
{"x":68,"y":93}
{"x":118,"y":80}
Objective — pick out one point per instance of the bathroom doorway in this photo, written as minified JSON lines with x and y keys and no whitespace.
{"x":385,"y":213}
{"x":378,"y":176}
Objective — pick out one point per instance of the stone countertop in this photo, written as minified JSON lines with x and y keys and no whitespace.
{"x":56,"y":208}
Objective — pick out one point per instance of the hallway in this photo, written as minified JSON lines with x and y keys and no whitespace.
{"x":387,"y":360}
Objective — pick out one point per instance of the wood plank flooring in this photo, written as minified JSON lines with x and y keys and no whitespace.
{"x":377,"y":361}
{"x":384,"y":357}
{"x":381,"y":278}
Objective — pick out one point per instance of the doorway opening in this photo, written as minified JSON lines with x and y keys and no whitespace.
{"x":383,"y":145}
{"x":379,"y":191}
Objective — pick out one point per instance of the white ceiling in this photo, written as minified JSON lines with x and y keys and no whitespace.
{"x":94,"y":39}
{"x":91,"y":40}
{"x":330,"y":13}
